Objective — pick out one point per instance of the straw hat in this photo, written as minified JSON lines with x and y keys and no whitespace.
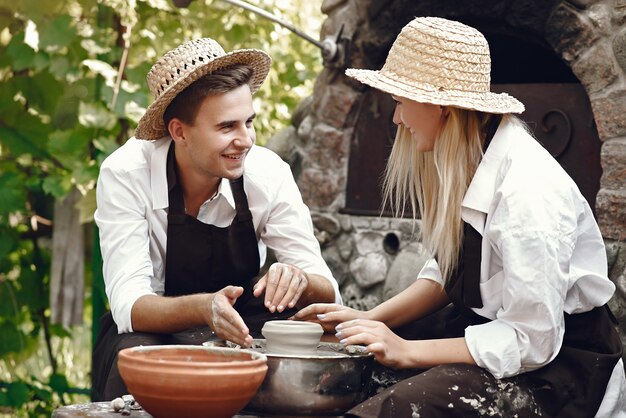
{"x":442,"y":62}
{"x":185,"y":64}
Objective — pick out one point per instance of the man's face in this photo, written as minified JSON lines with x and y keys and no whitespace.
{"x":216,"y":145}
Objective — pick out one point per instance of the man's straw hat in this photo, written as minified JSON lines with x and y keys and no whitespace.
{"x":185,"y":64}
{"x":441,"y":62}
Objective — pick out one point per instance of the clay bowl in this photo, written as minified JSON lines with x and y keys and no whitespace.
{"x":192,"y":381}
{"x":292,"y":337}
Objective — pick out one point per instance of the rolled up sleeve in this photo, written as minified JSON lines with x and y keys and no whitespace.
{"x":124,"y":242}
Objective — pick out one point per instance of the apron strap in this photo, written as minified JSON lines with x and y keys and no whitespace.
{"x":241,"y":202}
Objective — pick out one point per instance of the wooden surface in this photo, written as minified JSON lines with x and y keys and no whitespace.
{"x":94,"y":409}
{"x":104,"y":410}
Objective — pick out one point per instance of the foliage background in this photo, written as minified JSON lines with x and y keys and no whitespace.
{"x":63,"y":108}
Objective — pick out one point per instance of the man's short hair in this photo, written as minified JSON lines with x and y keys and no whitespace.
{"x":186,"y":104}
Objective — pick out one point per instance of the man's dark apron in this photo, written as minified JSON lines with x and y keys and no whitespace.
{"x":200,"y":258}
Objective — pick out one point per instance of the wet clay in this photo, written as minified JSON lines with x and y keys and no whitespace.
{"x":292,"y":337}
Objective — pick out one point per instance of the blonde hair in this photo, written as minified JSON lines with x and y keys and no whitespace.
{"x":435,"y":182}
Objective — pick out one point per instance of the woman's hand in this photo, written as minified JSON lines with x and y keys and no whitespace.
{"x":388,"y":348}
{"x":328,"y":315}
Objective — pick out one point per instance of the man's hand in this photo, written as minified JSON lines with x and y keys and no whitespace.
{"x":283,"y":285}
{"x":224,"y":320}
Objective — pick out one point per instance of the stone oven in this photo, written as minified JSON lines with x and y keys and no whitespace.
{"x":566,"y":60}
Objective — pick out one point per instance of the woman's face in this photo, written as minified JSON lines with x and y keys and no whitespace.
{"x":421,"y":119}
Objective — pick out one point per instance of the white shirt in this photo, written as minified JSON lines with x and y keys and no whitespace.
{"x":132,"y":198}
{"x":531,"y":215}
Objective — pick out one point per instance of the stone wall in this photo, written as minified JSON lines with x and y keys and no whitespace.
{"x":374,"y":258}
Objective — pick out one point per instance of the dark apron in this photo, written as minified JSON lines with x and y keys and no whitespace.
{"x":572,"y":385}
{"x":200,"y":258}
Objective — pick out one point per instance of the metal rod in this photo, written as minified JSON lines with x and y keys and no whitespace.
{"x":275,"y":19}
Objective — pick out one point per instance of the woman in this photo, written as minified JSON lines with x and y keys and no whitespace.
{"x":516,"y":250}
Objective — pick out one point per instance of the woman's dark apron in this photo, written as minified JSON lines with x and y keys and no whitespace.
{"x":572,"y":385}
{"x":200,"y":258}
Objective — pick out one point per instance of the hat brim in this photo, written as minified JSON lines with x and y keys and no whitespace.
{"x":151,"y":125}
{"x":498,"y":103}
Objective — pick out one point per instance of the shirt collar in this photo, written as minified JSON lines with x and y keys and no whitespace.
{"x":158,"y":173}
{"x":225,"y":190}
{"x":481,"y":190}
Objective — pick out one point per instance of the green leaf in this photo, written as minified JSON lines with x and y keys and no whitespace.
{"x":19,"y":141}
{"x":9,"y":307}
{"x":22,"y":55}
{"x":18,"y":393}
{"x":106,"y":146}
{"x":102,"y":68}
{"x":59,"y":65}
{"x":7,"y":244}
{"x":4,"y":398}
{"x":41,"y":393}
{"x":58,"y":383}
{"x":58,"y":331}
{"x":41,"y":90}
{"x":58,"y":33}
{"x":12,"y":339}
{"x":7,"y":92}
{"x":69,"y":146}
{"x":95,"y":115}
{"x":12,"y":194}
{"x":57,"y":186}
{"x":31,"y":291}
{"x":86,"y":207}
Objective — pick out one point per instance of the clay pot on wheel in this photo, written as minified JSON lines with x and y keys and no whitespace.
{"x":192,"y":381}
{"x":292,"y":337}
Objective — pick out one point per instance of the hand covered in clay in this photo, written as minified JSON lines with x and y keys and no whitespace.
{"x":225,"y":321}
{"x":283,"y":285}
{"x":388,"y":348}
{"x":328,"y":315}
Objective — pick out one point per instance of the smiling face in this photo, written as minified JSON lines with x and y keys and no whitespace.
{"x":423,"y":120}
{"x":216,"y":144}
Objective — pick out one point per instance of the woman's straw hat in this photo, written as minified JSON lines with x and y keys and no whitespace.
{"x":185,"y":64}
{"x":442,"y":62}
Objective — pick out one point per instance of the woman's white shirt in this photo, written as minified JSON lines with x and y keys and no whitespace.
{"x":531,"y":214}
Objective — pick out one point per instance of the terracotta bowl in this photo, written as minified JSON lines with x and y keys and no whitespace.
{"x":192,"y":381}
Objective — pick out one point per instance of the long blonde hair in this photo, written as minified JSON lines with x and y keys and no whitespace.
{"x":435,"y":182}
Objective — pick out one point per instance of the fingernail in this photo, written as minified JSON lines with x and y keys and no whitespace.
{"x":339,"y":334}
{"x":291,"y":304}
{"x":280,"y":308}
{"x":267,"y":304}
{"x":273,"y":309}
{"x":343,"y":341}
{"x":338,"y":327}
{"x":321,"y":316}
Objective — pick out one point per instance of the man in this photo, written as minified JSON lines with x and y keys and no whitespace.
{"x":187,"y":209}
